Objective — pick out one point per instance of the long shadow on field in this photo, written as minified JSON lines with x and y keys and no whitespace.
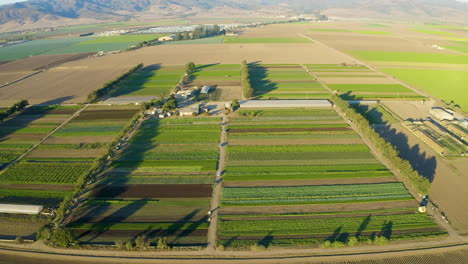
{"x":106,"y":224}
{"x":363,"y":225}
{"x":267,"y":240}
{"x":115,"y":184}
{"x":421,"y":161}
{"x":176,"y":227}
{"x":259,"y":79}
{"x":387,"y":230}
{"x":137,"y":81}
{"x":199,"y":68}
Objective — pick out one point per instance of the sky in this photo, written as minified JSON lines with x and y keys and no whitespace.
{"x":3,"y":2}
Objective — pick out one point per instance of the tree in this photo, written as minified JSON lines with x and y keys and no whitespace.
{"x":170,"y":104}
{"x":178,"y":36}
{"x":190,"y":68}
{"x":235,"y":104}
{"x":142,"y":242}
{"x":45,"y":232}
{"x":63,"y":237}
{"x":162,"y":243}
{"x":129,"y":245}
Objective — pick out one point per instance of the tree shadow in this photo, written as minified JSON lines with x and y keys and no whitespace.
{"x":193,"y":77}
{"x":363,"y":225}
{"x":267,"y":240}
{"x":137,"y":81}
{"x":387,"y":230}
{"x":113,"y":183}
{"x":333,"y":237}
{"x":106,"y":224}
{"x":259,"y":79}
{"x":421,"y":161}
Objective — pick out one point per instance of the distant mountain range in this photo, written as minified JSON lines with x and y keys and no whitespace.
{"x":53,"y":12}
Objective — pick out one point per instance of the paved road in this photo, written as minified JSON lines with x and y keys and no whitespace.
{"x":216,"y":198}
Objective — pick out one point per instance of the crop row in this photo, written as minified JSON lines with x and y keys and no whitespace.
{"x":298,"y":148}
{"x":305,"y":176}
{"x":315,"y":194}
{"x":44,"y":172}
{"x":351,"y":225}
{"x":305,"y":169}
{"x":298,"y":155}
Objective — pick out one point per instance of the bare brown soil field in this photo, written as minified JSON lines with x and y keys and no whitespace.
{"x":316,"y":208}
{"x":357,"y":80}
{"x":61,"y":85}
{"x":274,"y":31}
{"x":411,"y":109}
{"x":229,"y":93}
{"x":42,"y":61}
{"x":40,"y":187}
{"x":273,"y":142}
{"x":65,"y":153}
{"x":449,"y":176}
{"x":11,"y":229}
{"x":8,"y":77}
{"x":239,"y":130}
{"x":78,"y":140}
{"x":309,"y":182}
{"x":30,"y":111}
{"x":18,"y":136}
{"x":155,"y":191}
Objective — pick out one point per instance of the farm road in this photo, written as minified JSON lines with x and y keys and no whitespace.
{"x":45,"y":138}
{"x":216,"y":198}
{"x":370,"y":67}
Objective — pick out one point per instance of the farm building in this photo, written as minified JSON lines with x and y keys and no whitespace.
{"x":284,"y":103}
{"x":20,"y":209}
{"x":167,"y":38}
{"x":184,"y":95}
{"x":441,"y":114}
{"x":205,"y":89}
{"x":231,"y":34}
{"x":190,"y":110}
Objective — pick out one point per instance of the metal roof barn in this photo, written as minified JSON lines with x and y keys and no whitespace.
{"x":20,"y":209}
{"x":205,"y":89}
{"x":284,"y":103}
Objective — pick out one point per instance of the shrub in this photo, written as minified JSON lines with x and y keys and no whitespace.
{"x":19,"y":240}
{"x":45,"y":232}
{"x":162,"y":243}
{"x":257,"y":247}
{"x":353,"y":241}
{"x":381,"y":240}
{"x":129,"y":245}
{"x":337,"y":244}
{"x":142,"y":242}
{"x":119,"y":244}
{"x":63,"y":237}
{"x":220,"y":248}
{"x":326,"y":244}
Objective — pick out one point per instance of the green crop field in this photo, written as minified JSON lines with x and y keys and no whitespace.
{"x":435,"y":32}
{"x":237,"y":40}
{"x":39,"y":172}
{"x":463,"y":49}
{"x":410,"y":57}
{"x":175,"y":153}
{"x":37,"y":47}
{"x":445,"y":84}
{"x":372,"y":32}
{"x":315,"y":194}
{"x":159,"y":82}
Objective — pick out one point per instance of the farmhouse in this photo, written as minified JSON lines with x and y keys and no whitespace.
{"x":441,"y":114}
{"x":20,"y":209}
{"x":167,"y":38}
{"x":190,"y":110}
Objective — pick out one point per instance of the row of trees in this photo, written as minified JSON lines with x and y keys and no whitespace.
{"x":57,"y":234}
{"x":247,"y":89}
{"x":421,"y":184}
{"x":95,"y":95}
{"x":17,"y":107}
{"x":200,"y":32}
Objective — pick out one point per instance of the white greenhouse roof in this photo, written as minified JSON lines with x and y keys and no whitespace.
{"x":284,"y":103}
{"x":20,"y":209}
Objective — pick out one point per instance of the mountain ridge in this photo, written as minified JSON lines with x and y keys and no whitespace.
{"x":36,"y":12}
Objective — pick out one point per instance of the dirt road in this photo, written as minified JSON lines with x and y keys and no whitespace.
{"x":217,"y":190}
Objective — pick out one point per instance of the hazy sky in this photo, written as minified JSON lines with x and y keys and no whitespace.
{"x":2,"y":2}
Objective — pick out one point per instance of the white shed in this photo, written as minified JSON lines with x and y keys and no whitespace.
{"x":20,"y":209}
